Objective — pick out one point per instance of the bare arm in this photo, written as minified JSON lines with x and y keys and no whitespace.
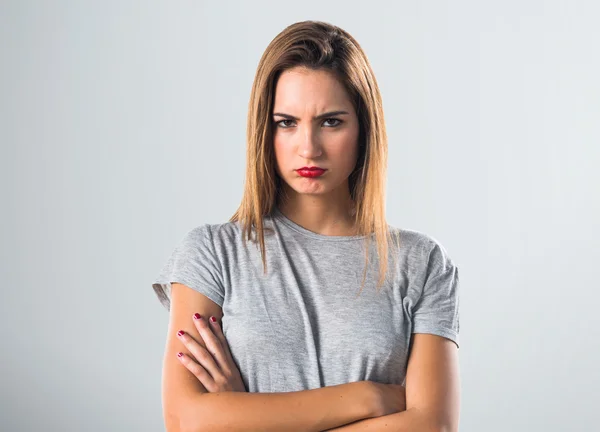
{"x":405,"y":421}
{"x":188,"y":406}
{"x":432,"y":391}
{"x":308,"y":410}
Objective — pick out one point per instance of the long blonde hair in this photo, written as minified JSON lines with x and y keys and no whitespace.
{"x":318,"y":45}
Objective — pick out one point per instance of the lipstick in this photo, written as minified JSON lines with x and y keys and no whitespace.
{"x":311,"y":172}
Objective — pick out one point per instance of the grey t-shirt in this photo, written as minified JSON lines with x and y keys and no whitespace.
{"x":303,"y":325}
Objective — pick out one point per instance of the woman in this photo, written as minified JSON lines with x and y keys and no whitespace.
{"x":307,"y":311}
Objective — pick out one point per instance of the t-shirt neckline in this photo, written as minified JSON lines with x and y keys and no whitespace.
{"x":298,"y":228}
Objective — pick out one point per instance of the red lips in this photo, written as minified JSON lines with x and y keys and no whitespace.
{"x":311,"y":171}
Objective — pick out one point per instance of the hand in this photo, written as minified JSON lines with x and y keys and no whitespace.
{"x":391,"y":398}
{"x":212,"y":363}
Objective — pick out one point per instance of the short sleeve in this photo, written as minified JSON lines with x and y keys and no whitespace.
{"x":191,"y":263}
{"x":437,"y":309}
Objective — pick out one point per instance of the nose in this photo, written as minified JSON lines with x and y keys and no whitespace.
{"x":310,"y":146}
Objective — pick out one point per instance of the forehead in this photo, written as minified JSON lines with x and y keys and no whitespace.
{"x":305,"y":88}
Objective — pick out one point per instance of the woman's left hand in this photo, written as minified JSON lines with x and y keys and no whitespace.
{"x":212,"y":362}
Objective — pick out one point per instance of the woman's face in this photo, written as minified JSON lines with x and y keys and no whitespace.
{"x":303,"y":140}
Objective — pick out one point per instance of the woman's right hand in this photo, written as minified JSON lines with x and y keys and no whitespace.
{"x":391,"y":398}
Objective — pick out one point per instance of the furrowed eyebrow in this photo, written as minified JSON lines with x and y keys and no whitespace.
{"x":320,"y":116}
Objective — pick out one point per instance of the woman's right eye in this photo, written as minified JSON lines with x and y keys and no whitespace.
{"x":280,"y":121}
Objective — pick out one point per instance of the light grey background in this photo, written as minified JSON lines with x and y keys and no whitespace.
{"x":123,"y":126}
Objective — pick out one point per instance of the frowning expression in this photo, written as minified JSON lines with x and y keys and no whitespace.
{"x":314,"y":125}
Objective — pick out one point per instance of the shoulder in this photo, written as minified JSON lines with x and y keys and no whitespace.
{"x":415,"y":241}
{"x":224,"y":237}
{"x":195,"y":237}
{"x":213,"y":231}
{"x":221,"y":234}
{"x":425,"y":251}
{"x":205,"y":237}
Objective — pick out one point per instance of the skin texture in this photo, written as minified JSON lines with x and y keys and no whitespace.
{"x":322,"y":204}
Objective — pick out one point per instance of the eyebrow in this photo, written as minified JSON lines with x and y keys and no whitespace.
{"x":320,"y":116}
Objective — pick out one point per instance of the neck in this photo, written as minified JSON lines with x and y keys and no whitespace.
{"x":320,"y":217}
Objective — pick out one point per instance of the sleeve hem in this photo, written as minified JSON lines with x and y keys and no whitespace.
{"x":439,"y":331}
{"x":162,"y":288}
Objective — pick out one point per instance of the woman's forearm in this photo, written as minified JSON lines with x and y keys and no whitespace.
{"x":410,"y":420}
{"x":307,"y":410}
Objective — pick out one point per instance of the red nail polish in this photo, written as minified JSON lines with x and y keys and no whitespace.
{"x":213,"y":319}
{"x":197,"y":316}
{"x":180,"y":332}
{"x":179,"y":354}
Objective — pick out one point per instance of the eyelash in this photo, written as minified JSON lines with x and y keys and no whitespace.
{"x":339,"y":122}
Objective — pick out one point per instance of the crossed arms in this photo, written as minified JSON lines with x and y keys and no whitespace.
{"x":432,"y":390}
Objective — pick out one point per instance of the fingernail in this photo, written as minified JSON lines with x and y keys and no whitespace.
{"x":197,"y":316}
{"x":180,"y":332}
{"x":213,"y":319}
{"x":179,"y":354}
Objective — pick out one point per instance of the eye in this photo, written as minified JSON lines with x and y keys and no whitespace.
{"x":281,"y":121}
{"x":285,"y":126}
{"x":339,"y":122}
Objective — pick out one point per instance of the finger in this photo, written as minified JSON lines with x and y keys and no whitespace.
{"x":213,"y":344}
{"x":198,"y":371}
{"x":200,"y":353}
{"x":218,"y":331}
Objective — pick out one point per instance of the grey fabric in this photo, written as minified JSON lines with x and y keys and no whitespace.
{"x":303,"y":325}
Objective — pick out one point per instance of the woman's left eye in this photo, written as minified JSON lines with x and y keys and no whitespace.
{"x":334,"y":119}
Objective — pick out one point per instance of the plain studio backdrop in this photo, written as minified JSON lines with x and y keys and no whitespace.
{"x":122,"y":126}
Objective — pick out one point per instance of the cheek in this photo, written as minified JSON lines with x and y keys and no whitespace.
{"x":281,"y":154}
{"x":347,"y":157}
{"x":278,"y":148}
{"x":346,"y":148}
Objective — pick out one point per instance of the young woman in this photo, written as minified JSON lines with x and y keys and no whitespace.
{"x":306,"y":310}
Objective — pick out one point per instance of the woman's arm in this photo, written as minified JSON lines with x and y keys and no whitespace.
{"x":406,"y":421}
{"x":188,"y":406}
{"x":307,"y":410}
{"x":432,"y":391}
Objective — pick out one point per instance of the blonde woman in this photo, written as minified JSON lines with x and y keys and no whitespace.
{"x":306,"y":311}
